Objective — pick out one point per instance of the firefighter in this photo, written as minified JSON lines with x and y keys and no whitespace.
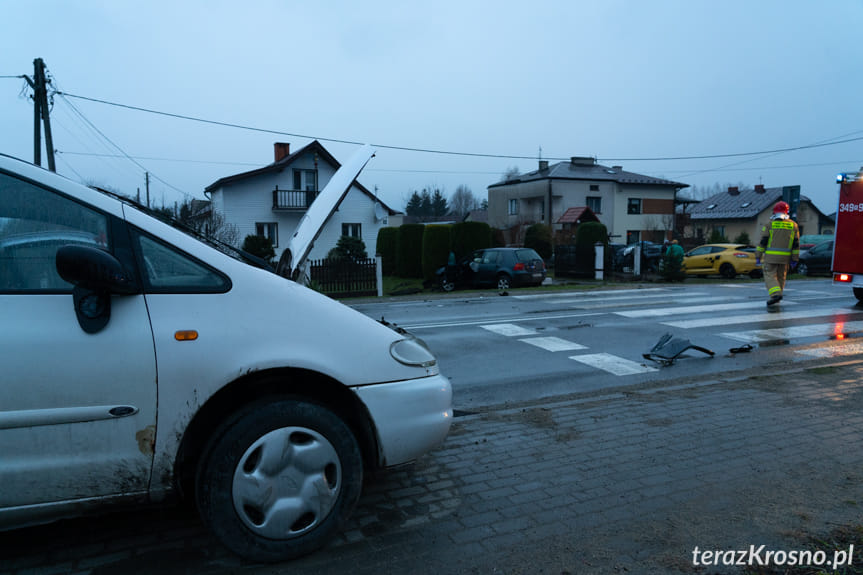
{"x":779,"y":248}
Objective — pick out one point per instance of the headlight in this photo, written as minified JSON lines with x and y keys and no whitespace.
{"x":411,"y":352}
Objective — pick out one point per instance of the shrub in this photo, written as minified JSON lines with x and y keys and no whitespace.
{"x":587,"y":235}
{"x":348,"y":248}
{"x":436,"y":248}
{"x":259,"y":246}
{"x":538,"y":237}
{"x":387,"y":246}
{"x":466,"y":237}
{"x":717,"y":237}
{"x":743,"y":238}
{"x":409,"y":256}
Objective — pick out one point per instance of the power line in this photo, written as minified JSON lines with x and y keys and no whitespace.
{"x":119,"y":149}
{"x":452,"y":153}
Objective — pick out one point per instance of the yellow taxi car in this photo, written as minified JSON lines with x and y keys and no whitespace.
{"x":727,"y":260}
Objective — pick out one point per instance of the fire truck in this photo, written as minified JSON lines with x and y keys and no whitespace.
{"x":848,"y":246}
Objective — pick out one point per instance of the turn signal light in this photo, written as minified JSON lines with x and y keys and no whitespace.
{"x":186,"y":335}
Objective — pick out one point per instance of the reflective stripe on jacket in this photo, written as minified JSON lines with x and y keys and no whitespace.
{"x":780,"y":241}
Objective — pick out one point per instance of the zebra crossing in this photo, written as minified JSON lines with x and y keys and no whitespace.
{"x":707,"y":315}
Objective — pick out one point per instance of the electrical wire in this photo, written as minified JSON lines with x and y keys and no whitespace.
{"x":119,"y":149}
{"x":831,"y":142}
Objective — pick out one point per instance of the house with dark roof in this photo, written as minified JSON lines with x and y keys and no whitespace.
{"x":736,"y":211}
{"x":270,"y":201}
{"x":632,"y":206}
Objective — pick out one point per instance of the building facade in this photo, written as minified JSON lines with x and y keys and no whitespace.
{"x":633,"y":207}
{"x":271,"y":201}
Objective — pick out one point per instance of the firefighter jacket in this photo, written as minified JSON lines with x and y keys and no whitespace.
{"x":780,"y":241}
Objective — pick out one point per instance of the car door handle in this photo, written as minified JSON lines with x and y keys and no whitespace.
{"x":62,"y":415}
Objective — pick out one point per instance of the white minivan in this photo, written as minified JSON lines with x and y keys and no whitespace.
{"x":138,"y":363}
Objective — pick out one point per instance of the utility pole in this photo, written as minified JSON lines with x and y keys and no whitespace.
{"x":41,"y":113}
{"x":147,"y":175}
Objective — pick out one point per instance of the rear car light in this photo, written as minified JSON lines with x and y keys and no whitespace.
{"x":842,"y":277}
{"x":518,"y":267}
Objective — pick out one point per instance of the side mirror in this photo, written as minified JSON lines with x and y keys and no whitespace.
{"x":96,"y":274}
{"x":94,"y":269}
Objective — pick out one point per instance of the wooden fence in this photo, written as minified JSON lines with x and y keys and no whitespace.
{"x":345,"y":278}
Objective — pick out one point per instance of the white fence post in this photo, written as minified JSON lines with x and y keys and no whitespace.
{"x":599,"y":267}
{"x":379,"y":275}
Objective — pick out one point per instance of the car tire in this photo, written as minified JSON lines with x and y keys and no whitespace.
{"x":446,"y":284}
{"x":858,"y":293}
{"x":503,"y":282}
{"x":802,"y":269}
{"x":279,"y":479}
{"x":727,"y":271}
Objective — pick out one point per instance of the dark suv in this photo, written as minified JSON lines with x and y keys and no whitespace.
{"x":501,"y":267}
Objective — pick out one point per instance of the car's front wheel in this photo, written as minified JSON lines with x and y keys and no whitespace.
{"x":446,"y":284}
{"x":278,"y":479}
{"x":802,"y":269}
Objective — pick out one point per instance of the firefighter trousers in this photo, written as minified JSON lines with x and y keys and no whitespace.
{"x":774,"y":277}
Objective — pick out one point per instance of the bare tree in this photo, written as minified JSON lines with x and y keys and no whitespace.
{"x":462,"y":202}
{"x":510,"y":173}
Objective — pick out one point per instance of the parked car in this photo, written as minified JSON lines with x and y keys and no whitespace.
{"x":816,"y":260}
{"x":651,"y":256}
{"x":500,"y":267}
{"x":140,"y":364}
{"x":727,"y":260}
{"x":809,"y":241}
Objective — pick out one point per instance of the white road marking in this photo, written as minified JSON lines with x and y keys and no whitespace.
{"x":553,"y":343}
{"x":659,"y":312}
{"x":758,"y":317}
{"x":508,"y":329}
{"x":590,"y":293}
{"x":760,"y":335}
{"x":612,"y":364}
{"x":836,"y":350}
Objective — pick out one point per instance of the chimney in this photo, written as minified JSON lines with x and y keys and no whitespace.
{"x":617,"y":168}
{"x":759,"y":188}
{"x":733,"y":190}
{"x":543,"y":164}
{"x":282,"y":150}
{"x":582,"y":161}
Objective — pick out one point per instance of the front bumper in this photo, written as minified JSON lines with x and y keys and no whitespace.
{"x":411,"y":417}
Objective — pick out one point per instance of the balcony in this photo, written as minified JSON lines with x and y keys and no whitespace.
{"x":293,"y":200}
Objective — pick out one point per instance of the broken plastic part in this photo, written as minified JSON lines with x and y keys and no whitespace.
{"x":669,"y":348}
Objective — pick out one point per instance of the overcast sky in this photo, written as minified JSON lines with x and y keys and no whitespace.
{"x":630,"y":82}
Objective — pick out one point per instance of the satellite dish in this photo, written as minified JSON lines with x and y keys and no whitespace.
{"x":380,"y":212}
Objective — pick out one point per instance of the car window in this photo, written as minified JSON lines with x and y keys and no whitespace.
{"x":717,"y":249}
{"x":167,"y":270}
{"x":703,"y":250}
{"x":34,"y":224}
{"x":489,"y":257}
{"x":526,"y":255}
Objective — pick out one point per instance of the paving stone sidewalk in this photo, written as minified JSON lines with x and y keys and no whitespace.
{"x":627,"y":482}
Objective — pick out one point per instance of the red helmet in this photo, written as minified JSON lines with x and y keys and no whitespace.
{"x":781,"y":207}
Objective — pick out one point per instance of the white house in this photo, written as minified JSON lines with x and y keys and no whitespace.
{"x":270,"y":201}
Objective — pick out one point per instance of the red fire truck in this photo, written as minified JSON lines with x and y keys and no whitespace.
{"x":848,"y":245}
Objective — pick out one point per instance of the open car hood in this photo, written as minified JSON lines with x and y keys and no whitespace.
{"x":316,"y":217}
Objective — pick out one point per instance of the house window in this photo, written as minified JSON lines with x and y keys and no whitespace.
{"x":594,"y":187}
{"x":352,"y":230}
{"x":633,"y":236}
{"x":633,"y":206}
{"x":513,"y":207}
{"x":269,"y":230}
{"x":594,"y":203}
{"x":306,"y":180}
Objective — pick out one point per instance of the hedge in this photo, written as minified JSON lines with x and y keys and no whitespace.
{"x":410,"y":246}
{"x":436,"y":248}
